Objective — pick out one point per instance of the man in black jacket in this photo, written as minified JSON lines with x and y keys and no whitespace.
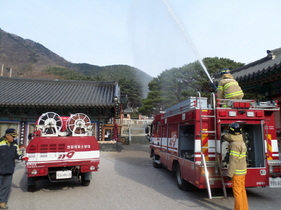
{"x":8,"y":153}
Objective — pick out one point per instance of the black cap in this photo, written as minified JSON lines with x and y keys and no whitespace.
{"x":11,"y":131}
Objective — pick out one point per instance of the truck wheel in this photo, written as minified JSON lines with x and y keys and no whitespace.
{"x":31,"y":184}
{"x":155,"y":160}
{"x":182,"y":184}
{"x":86,"y":178}
{"x":31,"y":188}
{"x":85,"y":182}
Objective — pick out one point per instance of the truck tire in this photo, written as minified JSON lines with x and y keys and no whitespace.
{"x":85,"y":182}
{"x":31,"y":184}
{"x":182,"y":184}
{"x":86,"y":178}
{"x":154,"y":163}
{"x":31,"y":188}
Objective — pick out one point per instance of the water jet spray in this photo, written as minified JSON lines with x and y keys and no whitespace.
{"x":181,"y":27}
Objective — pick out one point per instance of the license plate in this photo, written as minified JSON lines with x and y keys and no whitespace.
{"x":63,"y":174}
{"x":274,"y":182}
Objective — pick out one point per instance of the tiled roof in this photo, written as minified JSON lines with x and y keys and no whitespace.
{"x":259,"y":67}
{"x":56,"y":93}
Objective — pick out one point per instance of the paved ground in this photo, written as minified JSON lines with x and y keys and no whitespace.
{"x":127,"y":180}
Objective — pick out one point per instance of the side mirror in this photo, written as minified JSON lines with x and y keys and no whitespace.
{"x":147,"y":130}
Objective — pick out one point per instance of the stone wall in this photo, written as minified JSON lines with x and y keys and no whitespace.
{"x":133,"y":131}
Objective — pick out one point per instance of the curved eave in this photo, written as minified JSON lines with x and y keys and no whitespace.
{"x":30,"y":105}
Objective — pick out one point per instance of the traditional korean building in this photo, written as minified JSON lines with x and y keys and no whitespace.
{"x":263,"y":77}
{"x":23,"y":101}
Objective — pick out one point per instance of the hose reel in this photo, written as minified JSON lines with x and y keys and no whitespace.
{"x":78,"y":123}
{"x":50,"y":123}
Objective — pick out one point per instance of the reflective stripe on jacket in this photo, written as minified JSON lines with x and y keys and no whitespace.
{"x":237,"y":155}
{"x":229,"y":88}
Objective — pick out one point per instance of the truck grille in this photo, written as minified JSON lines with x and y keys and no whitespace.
{"x":44,"y":148}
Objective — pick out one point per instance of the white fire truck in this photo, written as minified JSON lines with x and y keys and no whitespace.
{"x":187,"y":139}
{"x":62,"y":149}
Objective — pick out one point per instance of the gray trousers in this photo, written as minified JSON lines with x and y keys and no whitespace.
{"x":5,"y":187}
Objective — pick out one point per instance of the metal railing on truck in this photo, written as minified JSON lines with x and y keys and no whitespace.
{"x":247,"y":104}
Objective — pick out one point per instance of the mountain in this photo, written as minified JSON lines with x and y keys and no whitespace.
{"x":27,"y":58}
{"x":26,"y":55}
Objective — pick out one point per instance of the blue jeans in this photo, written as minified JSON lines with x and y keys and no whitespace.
{"x":5,"y":187}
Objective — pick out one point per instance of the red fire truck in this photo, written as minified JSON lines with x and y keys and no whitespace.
{"x":62,"y":149}
{"x":187,"y":139}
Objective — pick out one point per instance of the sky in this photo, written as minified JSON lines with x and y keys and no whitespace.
{"x":151,"y":35}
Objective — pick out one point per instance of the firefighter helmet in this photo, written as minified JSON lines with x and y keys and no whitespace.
{"x":225,"y":71}
{"x":234,"y":128}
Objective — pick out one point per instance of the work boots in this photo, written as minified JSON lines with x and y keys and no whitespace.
{"x":3,"y":206}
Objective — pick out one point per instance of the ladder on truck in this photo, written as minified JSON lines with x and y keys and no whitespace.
{"x":217,"y":158}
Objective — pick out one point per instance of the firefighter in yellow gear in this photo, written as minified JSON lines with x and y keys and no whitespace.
{"x":228,"y":87}
{"x":237,"y":168}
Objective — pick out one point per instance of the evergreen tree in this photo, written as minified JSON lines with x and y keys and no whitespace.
{"x":177,"y":84}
